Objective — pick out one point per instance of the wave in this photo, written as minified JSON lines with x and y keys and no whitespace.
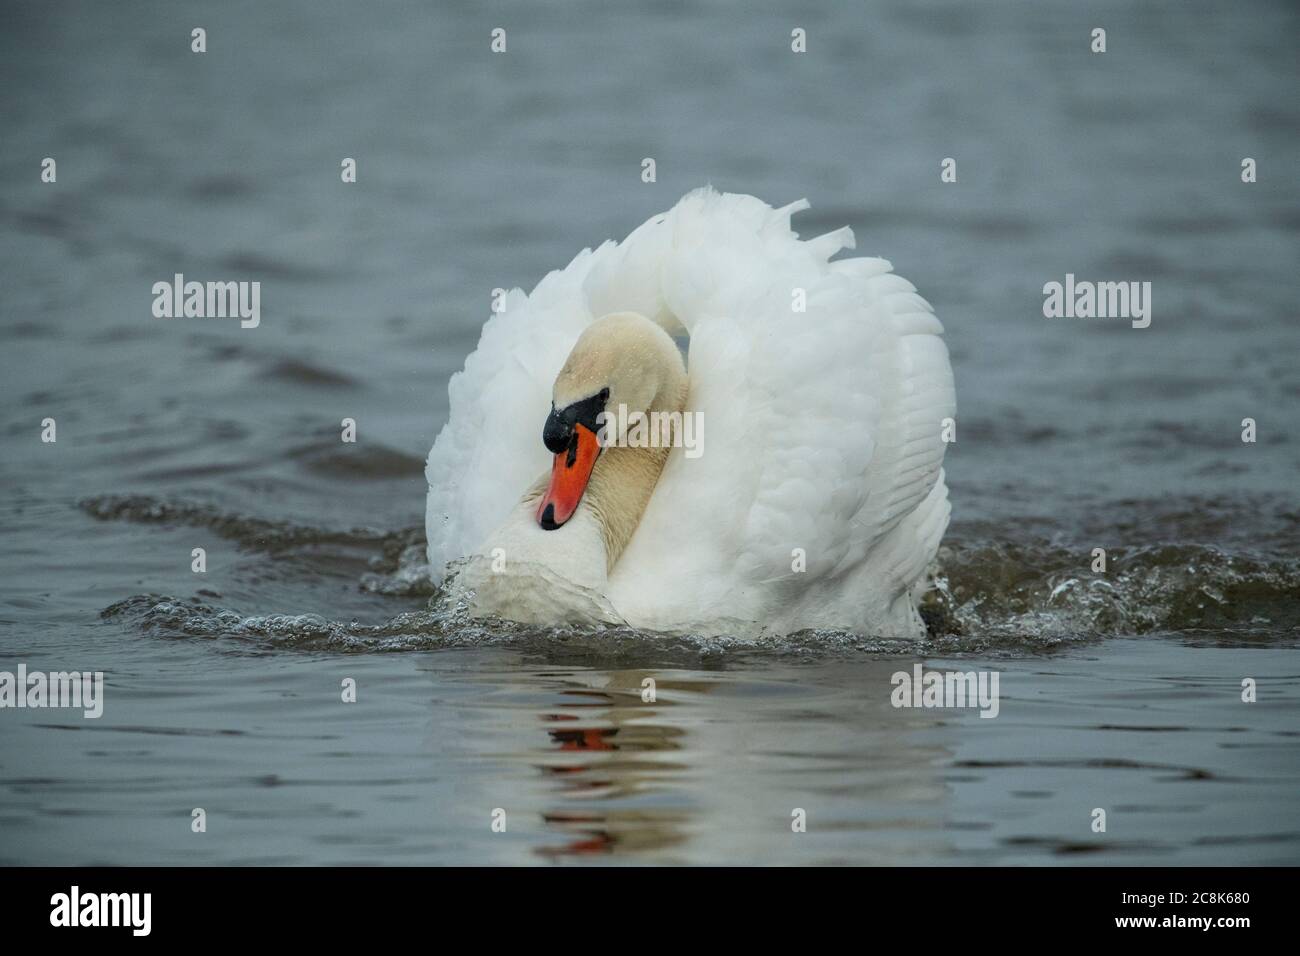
{"x":257,"y":533}
{"x":988,"y":596}
{"x":1000,"y":590}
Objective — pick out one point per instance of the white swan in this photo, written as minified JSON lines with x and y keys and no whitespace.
{"x":817,"y":498}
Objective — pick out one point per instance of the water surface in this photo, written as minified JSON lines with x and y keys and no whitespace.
{"x":1119,"y":691}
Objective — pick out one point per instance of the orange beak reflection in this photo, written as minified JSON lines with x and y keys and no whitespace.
{"x":570,"y":473}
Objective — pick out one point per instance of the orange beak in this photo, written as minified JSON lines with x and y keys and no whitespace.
{"x":570,"y":473}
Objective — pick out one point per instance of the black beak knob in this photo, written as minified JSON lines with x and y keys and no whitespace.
{"x":558,"y":431}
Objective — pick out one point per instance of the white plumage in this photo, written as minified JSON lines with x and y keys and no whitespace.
{"x":822,"y":428}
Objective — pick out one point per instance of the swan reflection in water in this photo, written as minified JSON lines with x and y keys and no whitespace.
{"x":713,"y":766}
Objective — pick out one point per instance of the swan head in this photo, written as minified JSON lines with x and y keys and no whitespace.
{"x":622,"y":361}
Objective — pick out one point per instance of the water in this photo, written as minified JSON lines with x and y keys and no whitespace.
{"x":1119,"y":691}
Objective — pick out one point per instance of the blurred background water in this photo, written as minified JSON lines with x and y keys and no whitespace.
{"x":477,"y":171}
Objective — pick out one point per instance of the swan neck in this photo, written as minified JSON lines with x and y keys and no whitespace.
{"x":625,"y":477}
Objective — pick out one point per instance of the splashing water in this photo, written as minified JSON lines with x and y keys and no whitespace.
{"x":987,"y":596}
